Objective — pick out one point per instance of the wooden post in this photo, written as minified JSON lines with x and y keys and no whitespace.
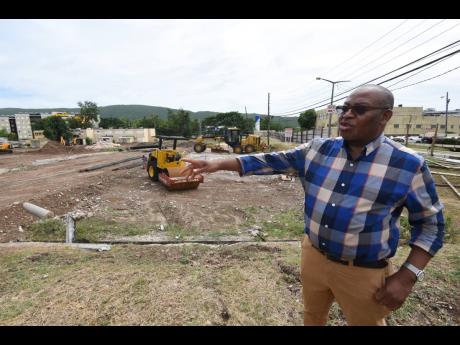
{"x":407,"y":134}
{"x":434,"y":140}
{"x":450,"y":185}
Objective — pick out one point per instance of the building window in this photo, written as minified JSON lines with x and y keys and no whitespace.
{"x":433,"y":126}
{"x":442,"y":126}
{"x":418,"y":126}
{"x":396,"y":125}
{"x":452,"y":126}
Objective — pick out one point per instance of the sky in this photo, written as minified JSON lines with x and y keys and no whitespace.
{"x":223,"y":64}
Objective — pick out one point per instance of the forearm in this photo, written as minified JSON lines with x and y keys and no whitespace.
{"x":229,"y":164}
{"x":417,"y":257}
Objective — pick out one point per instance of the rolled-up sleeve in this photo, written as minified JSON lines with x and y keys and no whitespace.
{"x":283,"y":162}
{"x":425,"y":212}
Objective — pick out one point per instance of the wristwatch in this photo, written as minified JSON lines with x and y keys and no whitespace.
{"x":418,"y":273}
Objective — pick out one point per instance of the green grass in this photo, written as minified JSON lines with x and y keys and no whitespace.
{"x":46,"y":230}
{"x":286,"y":225}
{"x":87,"y":230}
{"x":94,"y":229}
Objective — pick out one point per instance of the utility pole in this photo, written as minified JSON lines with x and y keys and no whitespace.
{"x":332,"y":101}
{"x":246,"y":112}
{"x":268,"y":113}
{"x":447,"y":107}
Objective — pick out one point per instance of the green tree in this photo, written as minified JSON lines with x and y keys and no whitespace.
{"x":55,"y":127}
{"x":151,"y":121}
{"x":110,"y":122}
{"x":230,"y":119}
{"x":179,"y":123}
{"x":88,"y":113}
{"x":3,"y":133}
{"x":307,"y":119}
{"x":274,"y":125}
{"x":74,"y":122}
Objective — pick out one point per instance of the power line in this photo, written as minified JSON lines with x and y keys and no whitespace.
{"x":400,"y":75}
{"x":414,"y":74}
{"x":393,"y":49}
{"x":350,"y":76}
{"x":451,"y":45}
{"x":368,"y":46}
{"x":408,"y":50}
{"x":436,"y":76}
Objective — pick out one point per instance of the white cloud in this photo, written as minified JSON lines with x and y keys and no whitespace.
{"x":218,"y":65}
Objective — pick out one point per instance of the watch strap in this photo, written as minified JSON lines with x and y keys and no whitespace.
{"x":414,"y":269}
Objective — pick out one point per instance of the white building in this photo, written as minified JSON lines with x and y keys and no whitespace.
{"x":23,"y":126}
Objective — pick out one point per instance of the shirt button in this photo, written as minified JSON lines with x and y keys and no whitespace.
{"x":343,"y":184}
{"x":351,"y":164}
{"x":333,"y":205}
{"x":326,"y":226}
{"x":323,"y":244}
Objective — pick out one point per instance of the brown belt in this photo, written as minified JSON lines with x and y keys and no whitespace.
{"x":368,"y":264}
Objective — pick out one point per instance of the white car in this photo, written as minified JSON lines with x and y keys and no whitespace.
{"x":414,"y":139}
{"x":398,"y":139}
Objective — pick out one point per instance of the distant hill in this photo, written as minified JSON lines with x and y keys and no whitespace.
{"x":134,"y":111}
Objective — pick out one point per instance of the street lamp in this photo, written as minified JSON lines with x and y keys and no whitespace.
{"x":332,"y":99}
{"x":447,"y":107}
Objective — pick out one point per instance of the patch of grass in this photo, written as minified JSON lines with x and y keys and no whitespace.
{"x":46,"y":230}
{"x":180,"y":232}
{"x":94,"y":229}
{"x":286,"y":225}
{"x":455,"y":273}
{"x":187,"y":285}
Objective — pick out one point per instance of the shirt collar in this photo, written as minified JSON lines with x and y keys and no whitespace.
{"x":372,"y":146}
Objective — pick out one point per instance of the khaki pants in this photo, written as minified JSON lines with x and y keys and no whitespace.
{"x":352,"y":287}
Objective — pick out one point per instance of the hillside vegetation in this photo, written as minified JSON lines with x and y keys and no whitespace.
{"x":133,"y":112}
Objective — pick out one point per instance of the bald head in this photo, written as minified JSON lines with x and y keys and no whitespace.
{"x":382,"y":96}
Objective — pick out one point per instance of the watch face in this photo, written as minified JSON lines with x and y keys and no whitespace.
{"x":421,"y":275}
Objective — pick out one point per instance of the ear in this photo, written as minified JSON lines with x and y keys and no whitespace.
{"x":386,"y":116}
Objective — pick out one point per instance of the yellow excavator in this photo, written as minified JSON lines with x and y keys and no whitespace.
{"x":239,"y":142}
{"x":165,"y":165}
{"x":6,"y":148}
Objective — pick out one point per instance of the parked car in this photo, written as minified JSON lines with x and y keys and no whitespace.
{"x":398,"y":139}
{"x":414,"y":139}
{"x":427,"y":140}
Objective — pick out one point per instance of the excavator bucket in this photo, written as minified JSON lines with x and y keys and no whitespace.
{"x":175,"y":181}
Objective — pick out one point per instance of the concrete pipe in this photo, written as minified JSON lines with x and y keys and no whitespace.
{"x":37,"y":210}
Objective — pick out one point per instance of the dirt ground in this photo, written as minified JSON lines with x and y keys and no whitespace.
{"x":128,"y":195}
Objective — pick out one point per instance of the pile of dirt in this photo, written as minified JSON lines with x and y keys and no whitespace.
{"x":53,"y":147}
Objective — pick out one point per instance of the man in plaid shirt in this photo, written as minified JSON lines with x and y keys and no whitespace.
{"x":356,"y":187}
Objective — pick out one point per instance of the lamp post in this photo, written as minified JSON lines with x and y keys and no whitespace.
{"x":447,"y":107}
{"x":332,"y":99}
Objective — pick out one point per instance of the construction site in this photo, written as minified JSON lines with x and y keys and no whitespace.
{"x":223,"y":251}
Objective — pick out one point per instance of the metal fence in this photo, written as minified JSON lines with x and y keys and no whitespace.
{"x":298,"y":136}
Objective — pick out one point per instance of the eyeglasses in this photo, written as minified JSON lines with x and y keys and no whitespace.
{"x":356,"y":109}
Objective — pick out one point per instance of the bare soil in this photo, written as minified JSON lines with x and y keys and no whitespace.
{"x":224,"y":201}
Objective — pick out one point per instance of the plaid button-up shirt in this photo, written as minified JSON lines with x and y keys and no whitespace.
{"x":352,"y":207}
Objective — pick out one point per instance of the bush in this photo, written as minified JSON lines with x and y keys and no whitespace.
{"x":88,"y":141}
{"x":12,"y":136}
